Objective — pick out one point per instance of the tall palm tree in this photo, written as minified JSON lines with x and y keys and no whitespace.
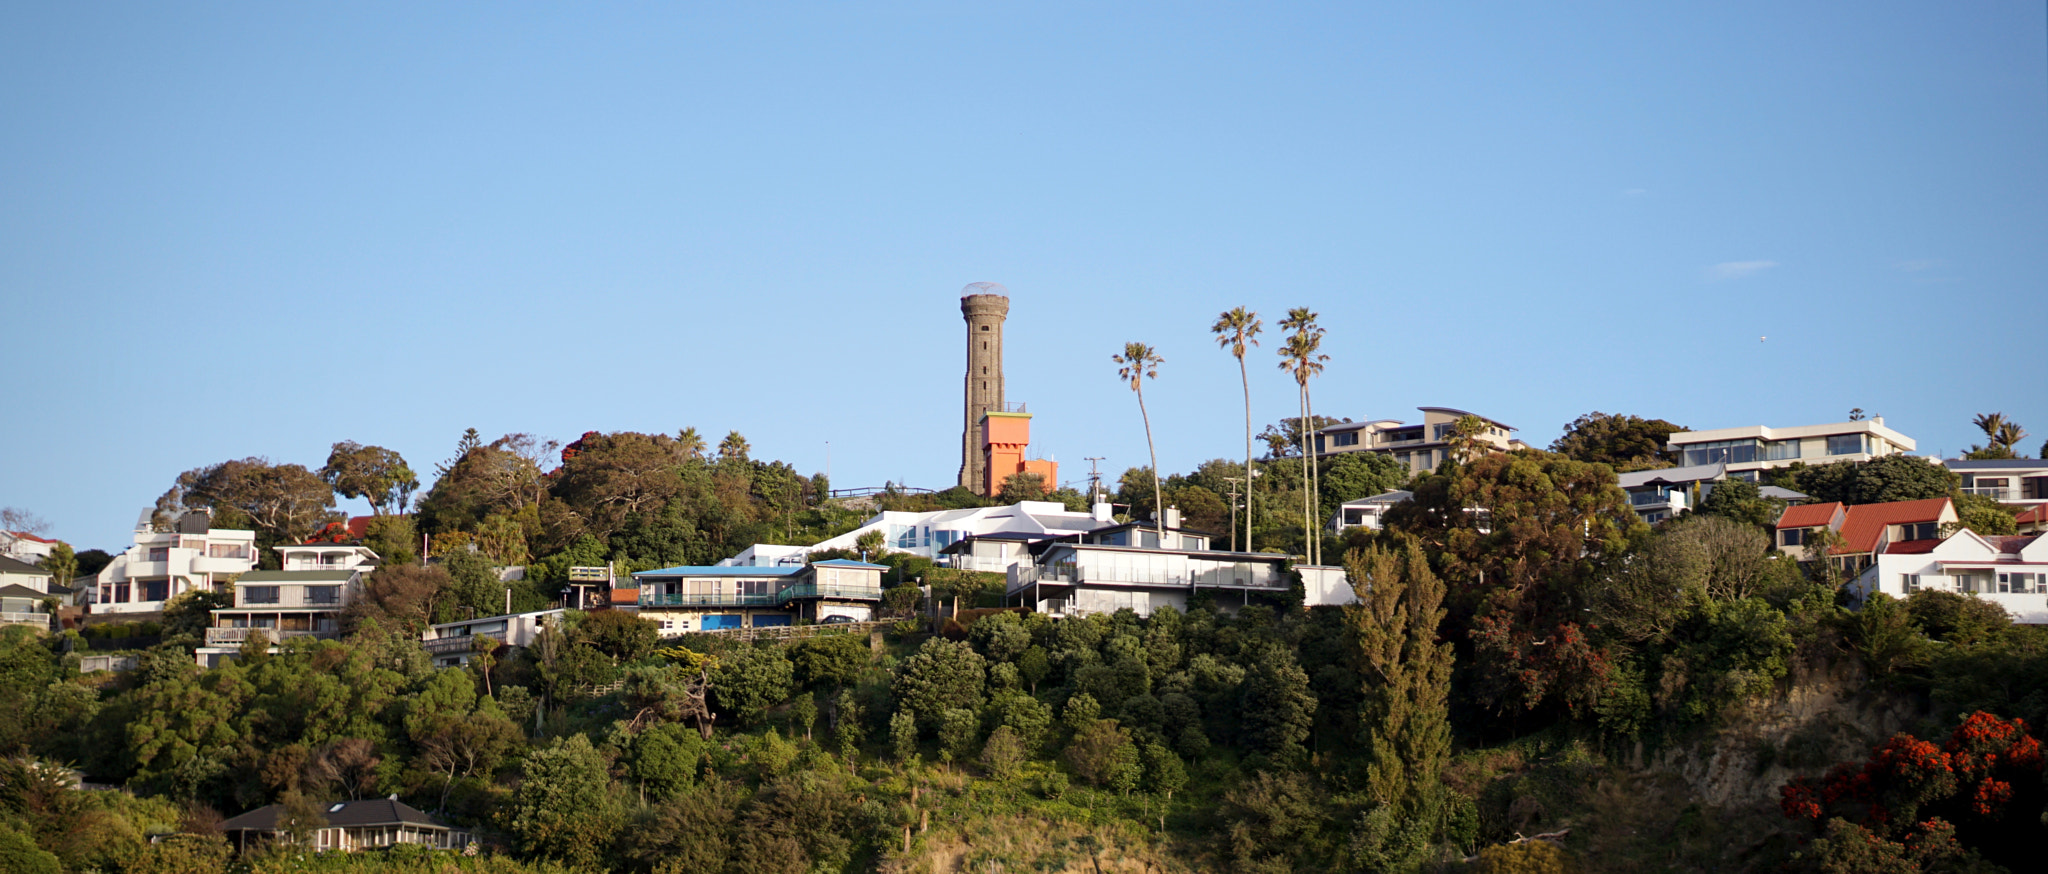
{"x":1235,"y":330}
{"x":1141,"y":362}
{"x":1300,"y":357}
{"x":690,"y":443}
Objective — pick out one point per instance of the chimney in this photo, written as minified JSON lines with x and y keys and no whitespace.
{"x":1173,"y":518}
{"x":1103,"y":511}
{"x":1876,"y":420}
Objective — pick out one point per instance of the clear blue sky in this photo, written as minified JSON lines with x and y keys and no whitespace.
{"x":256,"y":229}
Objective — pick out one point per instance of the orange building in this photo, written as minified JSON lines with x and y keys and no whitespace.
{"x":1004,"y":437}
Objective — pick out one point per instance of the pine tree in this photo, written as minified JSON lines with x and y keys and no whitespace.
{"x":1406,"y":670}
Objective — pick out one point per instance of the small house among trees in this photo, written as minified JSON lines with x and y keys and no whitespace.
{"x":345,"y":825}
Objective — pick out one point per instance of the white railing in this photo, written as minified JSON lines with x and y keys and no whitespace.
{"x":219,"y":636}
{"x":24,"y":619}
{"x":1996,"y":493}
{"x":982,"y":563}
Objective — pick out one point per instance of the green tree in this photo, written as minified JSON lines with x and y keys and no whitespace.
{"x":624,"y":636}
{"x":1140,"y":362}
{"x":1278,"y":709}
{"x":1879,"y":480}
{"x":837,"y":659}
{"x":1741,"y":501}
{"x":750,"y":681}
{"x":286,"y":502}
{"x":942,"y":675}
{"x":1102,"y":754}
{"x":1002,"y":754}
{"x":190,"y":613}
{"x":62,"y":563}
{"x":1405,"y":671}
{"x":1353,"y":475}
{"x":1022,"y":487}
{"x":373,"y":473}
{"x":903,"y":735}
{"x":394,"y":538}
{"x":2002,"y":435}
{"x":1165,"y":773}
{"x":1984,"y":515}
{"x":562,"y":809}
{"x":1623,"y":442}
{"x":958,"y":730}
{"x":1301,"y":358}
{"x":1235,"y":330}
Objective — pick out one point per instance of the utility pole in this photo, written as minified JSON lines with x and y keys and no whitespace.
{"x":1094,"y":479}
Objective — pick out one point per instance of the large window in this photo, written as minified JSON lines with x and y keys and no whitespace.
{"x":1793,"y":536}
{"x":259,"y":594}
{"x":323,"y":594}
{"x":1781,"y":450}
{"x":1345,"y":438}
{"x":1845,"y":444}
{"x":1721,"y":452}
{"x":155,"y":590}
{"x":1919,"y":531}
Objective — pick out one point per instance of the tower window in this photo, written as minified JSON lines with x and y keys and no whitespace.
{"x":984,"y":369}
{"x":984,"y":327}
{"x":984,"y":345}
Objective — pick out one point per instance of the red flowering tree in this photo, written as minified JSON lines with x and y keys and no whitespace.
{"x":1983,"y":786}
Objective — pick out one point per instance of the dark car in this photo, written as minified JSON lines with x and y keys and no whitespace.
{"x":836,"y":619}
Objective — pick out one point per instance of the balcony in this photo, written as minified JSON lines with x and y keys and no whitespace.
{"x":235,"y":636}
{"x":720,"y":599}
{"x":2002,"y":494}
{"x":809,"y":591}
{"x":1068,"y":575}
{"x":982,"y":563}
{"x":449,"y":645}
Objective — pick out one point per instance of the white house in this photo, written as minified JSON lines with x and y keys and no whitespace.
{"x":1749,"y":449}
{"x":2010,"y":571}
{"x":2021,"y":482}
{"x":717,"y":597}
{"x":1123,"y":567}
{"x":928,"y":534}
{"x":450,"y":642}
{"x":23,"y":546}
{"x":306,"y":600}
{"x":1418,"y":447}
{"x":1366,"y":512}
{"x":163,"y":564}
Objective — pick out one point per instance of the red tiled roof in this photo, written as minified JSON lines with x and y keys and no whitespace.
{"x":2039,"y":513}
{"x":2011,"y":544}
{"x":27,"y":536}
{"x":1808,"y":515}
{"x":1911,"y":547}
{"x":1864,"y":524}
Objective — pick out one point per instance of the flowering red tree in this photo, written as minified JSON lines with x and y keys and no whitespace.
{"x":1983,"y":784}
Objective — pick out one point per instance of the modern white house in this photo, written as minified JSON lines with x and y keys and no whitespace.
{"x":2021,"y":482}
{"x":1124,"y":567}
{"x":163,"y":564}
{"x":1366,"y":512}
{"x":928,"y":534}
{"x":723,"y":597}
{"x":2010,"y":571}
{"x":450,"y":643}
{"x":282,"y":604}
{"x":1746,"y":450}
{"x":1419,"y":447}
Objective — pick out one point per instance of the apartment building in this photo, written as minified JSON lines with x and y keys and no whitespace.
{"x":162,"y":564}
{"x":306,"y":599}
{"x":1746,"y":450}
{"x":1420,"y":446}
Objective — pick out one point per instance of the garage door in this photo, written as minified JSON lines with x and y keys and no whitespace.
{"x":768,"y":621}
{"x":713,"y":622}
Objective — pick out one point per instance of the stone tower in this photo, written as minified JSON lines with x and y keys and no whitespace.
{"x":984,"y":305}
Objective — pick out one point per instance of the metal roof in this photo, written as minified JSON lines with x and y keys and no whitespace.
{"x":737,"y":570}
{"x":1693,"y":474}
{"x":340,"y":814}
{"x":847,"y":562}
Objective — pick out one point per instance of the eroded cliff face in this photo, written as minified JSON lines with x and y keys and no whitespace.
{"x":1827,"y":716}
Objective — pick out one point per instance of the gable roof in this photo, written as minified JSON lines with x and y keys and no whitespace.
{"x":1809,"y":515}
{"x":340,"y":814}
{"x":1863,"y":524}
{"x":23,"y":535}
{"x":9,"y":565}
{"x":2036,"y":513}
{"x":13,"y":591}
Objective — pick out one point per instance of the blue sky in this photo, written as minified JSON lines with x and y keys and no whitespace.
{"x":256,"y":229}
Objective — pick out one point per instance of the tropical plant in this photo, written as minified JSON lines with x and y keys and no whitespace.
{"x":1141,"y":362}
{"x":1236,"y":329}
{"x":1301,"y":358}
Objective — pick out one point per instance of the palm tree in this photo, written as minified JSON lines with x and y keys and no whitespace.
{"x":2003,"y":434}
{"x":1301,"y":358}
{"x":690,"y":443}
{"x":1236,"y":329}
{"x":733,"y":446}
{"x":1140,"y":362}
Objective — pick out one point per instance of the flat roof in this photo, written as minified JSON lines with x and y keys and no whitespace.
{"x":1996,"y":464}
{"x":712,"y":570}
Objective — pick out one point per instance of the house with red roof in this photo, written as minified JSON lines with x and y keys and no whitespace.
{"x":23,"y":546}
{"x":1863,"y":529}
{"x":2010,"y":571}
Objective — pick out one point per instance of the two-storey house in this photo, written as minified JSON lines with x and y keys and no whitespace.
{"x":306,"y":599}
{"x":2010,"y":571}
{"x":451,"y":644}
{"x":1418,"y":447}
{"x":1746,"y":450}
{"x":718,"y":597}
{"x":1126,"y":567}
{"x":1862,"y":530}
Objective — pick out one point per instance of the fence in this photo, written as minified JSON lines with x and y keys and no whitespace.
{"x":784,"y":632}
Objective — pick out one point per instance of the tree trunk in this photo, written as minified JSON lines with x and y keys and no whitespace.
{"x":1158,"y":498}
{"x":1246,"y":378}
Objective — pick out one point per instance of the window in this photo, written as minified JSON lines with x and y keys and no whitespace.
{"x":1919,"y":531}
{"x":1793,"y":536}
{"x":159,"y":553}
{"x":1780,"y":450}
{"x":1721,"y":452}
{"x":1348,"y":438}
{"x":323,"y":594}
{"x":1845,"y":444}
{"x":1909,"y":583}
{"x":984,"y":327}
{"x":155,"y":590}
{"x":259,"y":594}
